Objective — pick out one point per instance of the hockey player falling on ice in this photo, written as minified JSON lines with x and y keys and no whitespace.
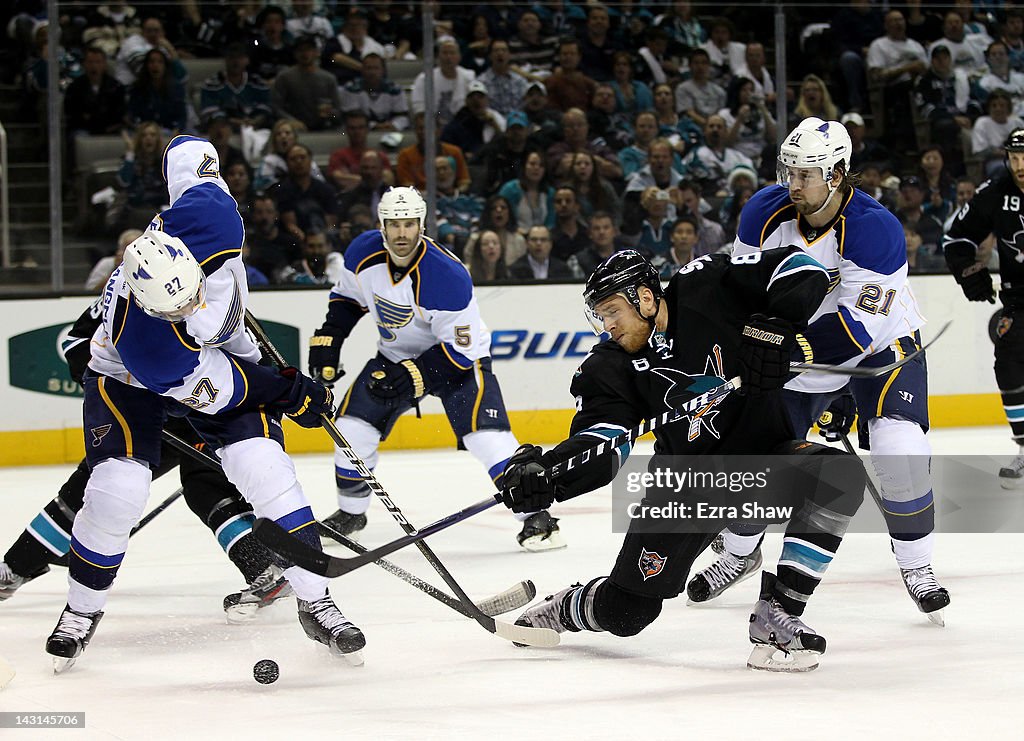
{"x":869,"y":318}
{"x":432,"y":341}
{"x":209,"y":495}
{"x":715,"y":320}
{"x":998,"y":207}
{"x":172,"y":339}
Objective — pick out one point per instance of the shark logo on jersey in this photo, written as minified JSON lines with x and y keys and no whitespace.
{"x":390,"y":316}
{"x":684,"y":386}
{"x":98,"y":433}
{"x":1016,"y":242}
{"x":651,"y":563}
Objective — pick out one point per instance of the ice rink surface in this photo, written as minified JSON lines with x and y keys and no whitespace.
{"x":165,"y":665}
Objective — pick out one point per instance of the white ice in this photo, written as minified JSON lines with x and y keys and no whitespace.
{"x":165,"y":665}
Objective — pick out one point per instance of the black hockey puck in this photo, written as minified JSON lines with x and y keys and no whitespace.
{"x":266,"y":671}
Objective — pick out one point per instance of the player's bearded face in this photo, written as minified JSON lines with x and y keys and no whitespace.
{"x":616,"y":316}
{"x":807,"y":189}
{"x":402,"y":237}
{"x":1016,"y":163}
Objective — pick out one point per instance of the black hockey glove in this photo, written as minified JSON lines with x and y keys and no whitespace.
{"x":325,"y":357}
{"x":766,"y":347}
{"x":976,"y":283}
{"x":307,"y":400}
{"x":77,"y":357}
{"x":837,"y":420}
{"x":525,"y":486}
{"x":402,"y":380}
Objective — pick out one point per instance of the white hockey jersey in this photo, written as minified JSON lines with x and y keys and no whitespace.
{"x":428,"y":303}
{"x":869,"y":304}
{"x":189,"y":361}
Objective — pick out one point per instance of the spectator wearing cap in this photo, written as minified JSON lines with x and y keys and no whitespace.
{"x":545,"y":121}
{"x":304,"y":22}
{"x":699,"y":97}
{"x":910,"y":211}
{"x":451,"y":82}
{"x":243,"y":99}
{"x":343,"y":54}
{"x":411,"y":170}
{"x":943,"y":96}
{"x":272,"y":52}
{"x":375,"y":95}
{"x":532,"y":54}
{"x":895,"y":61}
{"x":475,"y":124}
{"x":864,"y":149}
{"x":530,"y":196}
{"x":506,"y":88}
{"x":568,"y":87}
{"x":305,"y":92}
{"x":990,"y":131}
{"x":967,"y":51}
{"x":537,"y":263}
{"x":504,"y":155}
{"x":1001,"y":77}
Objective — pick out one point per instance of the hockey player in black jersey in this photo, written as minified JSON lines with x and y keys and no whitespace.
{"x":46,"y":540}
{"x":998,"y":208}
{"x":718,"y":318}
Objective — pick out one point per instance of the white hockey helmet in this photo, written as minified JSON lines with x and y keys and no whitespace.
{"x":815,"y":143}
{"x":401,"y":203}
{"x":164,"y":277}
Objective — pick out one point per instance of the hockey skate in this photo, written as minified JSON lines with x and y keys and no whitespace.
{"x":540,"y":533}
{"x":1012,"y":476}
{"x":927,"y":593}
{"x":11,"y":582}
{"x":68,"y":640}
{"x":548,"y":613}
{"x":342,"y":523}
{"x":728,"y":570}
{"x":265,"y":589}
{"x":324,"y":623}
{"x":782,"y":642}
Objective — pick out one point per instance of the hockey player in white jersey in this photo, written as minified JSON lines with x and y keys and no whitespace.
{"x":432,"y":341}
{"x":869,"y":318}
{"x":172,"y":341}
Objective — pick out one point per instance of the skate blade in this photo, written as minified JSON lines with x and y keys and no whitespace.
{"x":764,"y":657}
{"x":937,"y":618}
{"x":239,"y":614}
{"x":541,"y":543}
{"x":6,"y":673}
{"x":1011,"y":483}
{"x":354,"y":658}
{"x":61,"y":665}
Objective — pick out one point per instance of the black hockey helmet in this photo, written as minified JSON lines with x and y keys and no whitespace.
{"x":623,"y":273}
{"x":1015,"y":141}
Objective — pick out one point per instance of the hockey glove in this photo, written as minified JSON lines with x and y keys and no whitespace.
{"x":307,"y":400}
{"x":525,"y":486}
{"x":976,"y":283}
{"x":403,"y":381}
{"x":836,"y":421}
{"x":325,"y":357}
{"x":766,"y":346}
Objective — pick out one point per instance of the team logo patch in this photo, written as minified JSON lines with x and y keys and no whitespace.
{"x":98,"y":433}
{"x":390,"y":316}
{"x":1005,"y":322}
{"x":651,"y":563}
{"x":208,"y":168}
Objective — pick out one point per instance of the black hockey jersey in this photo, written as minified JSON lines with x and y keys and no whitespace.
{"x":998,"y":207}
{"x":708,"y":302}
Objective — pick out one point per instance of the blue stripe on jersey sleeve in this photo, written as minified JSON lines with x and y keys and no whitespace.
{"x":444,"y":282}
{"x":873,"y":237}
{"x":756,"y":217}
{"x":835,"y":338}
{"x":206,"y":219}
{"x":459,"y":360}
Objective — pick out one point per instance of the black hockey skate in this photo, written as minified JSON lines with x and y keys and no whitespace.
{"x":782,"y":642}
{"x":342,"y":523}
{"x":540,"y":533}
{"x":265,"y":589}
{"x":324,"y":623}
{"x":725,"y":572}
{"x":11,"y":582}
{"x":929,"y":596}
{"x":68,"y":640}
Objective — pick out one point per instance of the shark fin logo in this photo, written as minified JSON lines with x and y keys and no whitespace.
{"x":1016,"y":242}
{"x":684,"y":386}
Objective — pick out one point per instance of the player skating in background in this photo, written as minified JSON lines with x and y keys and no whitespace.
{"x":997,"y":208}
{"x":172,"y":340}
{"x":869,"y":318}
{"x":716,"y":319}
{"x":432,"y":342}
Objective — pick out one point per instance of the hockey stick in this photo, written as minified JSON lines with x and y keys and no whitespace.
{"x":533,"y":636}
{"x":512,"y":598}
{"x":157,"y":510}
{"x":865,"y":372}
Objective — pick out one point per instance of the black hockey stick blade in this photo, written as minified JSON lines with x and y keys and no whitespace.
{"x":865,"y":372}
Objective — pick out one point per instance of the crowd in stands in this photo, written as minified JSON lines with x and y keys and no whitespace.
{"x":565,"y":130}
